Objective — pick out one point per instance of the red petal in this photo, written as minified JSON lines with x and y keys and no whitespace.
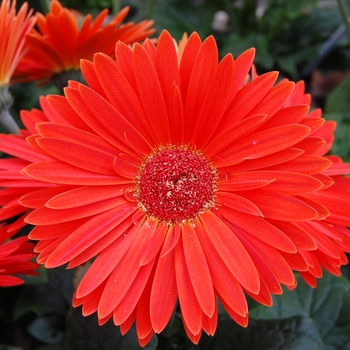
{"x":262,"y":144}
{"x":190,"y":308}
{"x":310,"y":145}
{"x":281,"y":206}
{"x":231,"y":251}
{"x":55,"y":230}
{"x":279,"y":181}
{"x":77,"y":155}
{"x":236,"y":131}
{"x":287,"y":115}
{"x":63,"y":113}
{"x":125,"y":272}
{"x":304,"y":164}
{"x":243,"y":64}
{"x":225,"y":284}
{"x":77,"y":197}
{"x":241,"y":320}
{"x":246,"y":98}
{"x":155,"y":243}
{"x":198,"y":270}
{"x":164,"y":291}
{"x":47,"y":216}
{"x":301,"y":239}
{"x":259,"y":228}
{"x":106,"y":262}
{"x":151,"y":95}
{"x":281,"y":157}
{"x":125,"y":168}
{"x":104,"y":242}
{"x":87,"y":234}
{"x":113,"y":121}
{"x":201,"y":75}
{"x":240,"y":182}
{"x":187,"y":62}
{"x":121,"y":95}
{"x":209,"y":324}
{"x":238,"y":203}
{"x":132,"y":297}
{"x":166,"y":65}
{"x":61,"y":173}
{"x":275,"y":99}
{"x":272,"y":258}
{"x":81,"y":137}
{"x":211,"y":112}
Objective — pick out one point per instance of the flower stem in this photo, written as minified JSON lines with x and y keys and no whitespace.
{"x":45,"y":6}
{"x":116,"y":6}
{"x":149,"y":8}
{"x":344,"y":13}
{"x":6,"y":119}
{"x":8,"y":122}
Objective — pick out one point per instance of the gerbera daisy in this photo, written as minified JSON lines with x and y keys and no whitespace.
{"x":14,"y":258}
{"x":64,"y":37}
{"x":186,"y":183}
{"x":13,"y":30}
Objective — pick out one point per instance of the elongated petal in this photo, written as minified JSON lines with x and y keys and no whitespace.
{"x":198,"y":270}
{"x":190,"y":308}
{"x":231,"y":251}
{"x":164,"y":291}
{"x":263,"y":144}
{"x":61,"y":173}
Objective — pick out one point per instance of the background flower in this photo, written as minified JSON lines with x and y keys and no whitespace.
{"x":15,"y":256}
{"x":13,"y":30}
{"x":184,"y":187}
{"x":64,"y":37}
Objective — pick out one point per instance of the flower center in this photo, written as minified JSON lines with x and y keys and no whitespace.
{"x":176,"y":185}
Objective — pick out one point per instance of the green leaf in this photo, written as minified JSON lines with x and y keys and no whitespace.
{"x":339,"y":99}
{"x":341,"y":144}
{"x":48,"y":329}
{"x":328,"y":305}
{"x":339,"y":337}
{"x":53,"y":297}
{"x":293,"y":333}
{"x":85,"y":333}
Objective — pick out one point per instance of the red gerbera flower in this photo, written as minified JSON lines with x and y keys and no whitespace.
{"x":14,"y":259}
{"x":186,"y":183}
{"x":64,"y":37}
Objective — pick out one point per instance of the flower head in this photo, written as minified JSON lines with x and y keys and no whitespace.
{"x":185,"y":182}
{"x":13,"y":30}
{"x":64,"y":37}
{"x":14,"y":258}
